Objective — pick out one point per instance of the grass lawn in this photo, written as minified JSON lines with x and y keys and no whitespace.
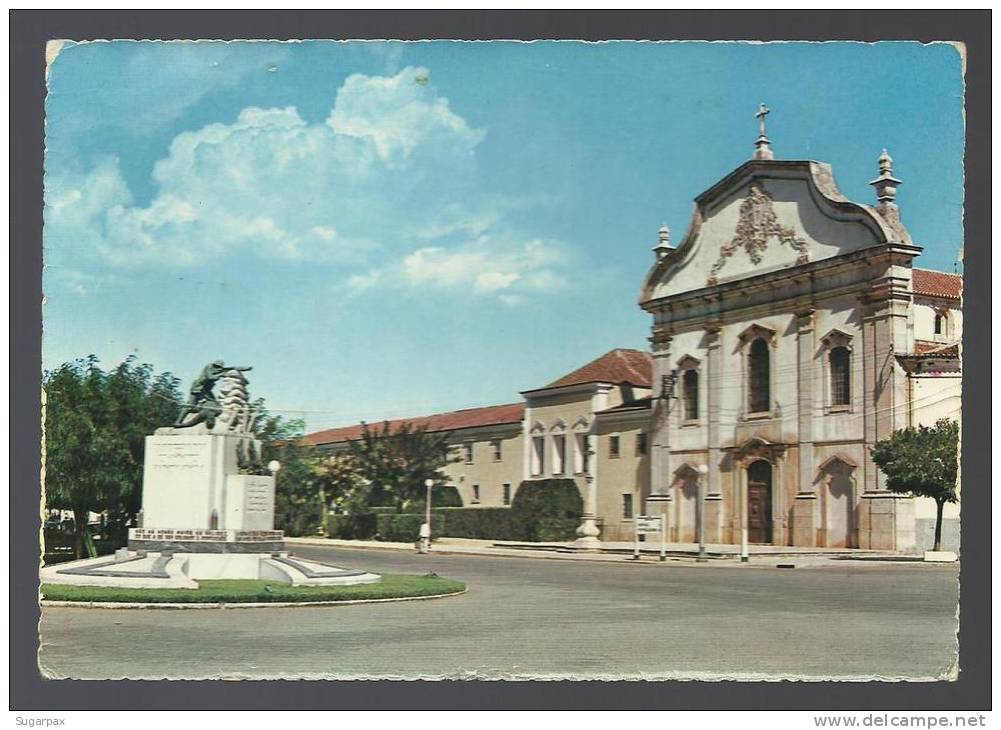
{"x":254,"y":591}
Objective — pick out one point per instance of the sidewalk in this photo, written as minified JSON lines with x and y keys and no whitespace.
{"x":618,"y":552}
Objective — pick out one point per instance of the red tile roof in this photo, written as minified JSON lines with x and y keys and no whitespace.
{"x":617,"y":366}
{"x":927,"y":347}
{"x":468,"y":418}
{"x":937,"y":284}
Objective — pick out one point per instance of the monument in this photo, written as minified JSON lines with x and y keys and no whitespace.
{"x":208,"y":503}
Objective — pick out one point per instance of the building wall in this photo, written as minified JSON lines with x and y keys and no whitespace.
{"x":923,"y":313}
{"x":625,"y":474}
{"x":567,"y":414}
{"x":484,"y":472}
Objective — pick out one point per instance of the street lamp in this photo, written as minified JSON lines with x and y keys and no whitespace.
{"x":274,"y":466}
{"x":701,"y":512}
{"x":426,"y":527}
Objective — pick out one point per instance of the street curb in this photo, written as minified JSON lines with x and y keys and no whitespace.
{"x":284,"y":604}
{"x":615,"y":558}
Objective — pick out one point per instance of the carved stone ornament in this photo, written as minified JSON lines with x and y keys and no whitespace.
{"x":757,"y":224}
{"x":660,"y":340}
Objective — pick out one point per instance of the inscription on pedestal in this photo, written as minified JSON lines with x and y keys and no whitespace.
{"x":178,"y":454}
{"x":258,"y":495}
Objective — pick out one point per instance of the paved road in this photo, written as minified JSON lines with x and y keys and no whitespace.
{"x":533,"y":617}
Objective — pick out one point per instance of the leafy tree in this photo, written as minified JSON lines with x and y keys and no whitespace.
{"x":922,"y":461}
{"x":341,"y":484}
{"x":395,"y":464}
{"x":96,"y":423}
{"x":298,"y":502}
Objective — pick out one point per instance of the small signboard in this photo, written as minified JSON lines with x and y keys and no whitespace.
{"x":648,"y":525}
{"x":651,"y":525}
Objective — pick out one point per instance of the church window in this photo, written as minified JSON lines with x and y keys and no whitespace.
{"x":759,"y":377}
{"x":840,"y":359}
{"x":641,"y":443}
{"x":467,"y":451}
{"x":690,"y":394}
{"x":497,"y":449}
{"x":941,"y":322}
{"x":613,"y":447}
{"x":506,"y":494}
{"x":476,"y":493}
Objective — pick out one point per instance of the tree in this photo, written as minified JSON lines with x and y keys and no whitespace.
{"x":96,"y":423}
{"x":341,"y":484}
{"x":299,"y":507}
{"x":395,"y":464}
{"x":923,"y":462}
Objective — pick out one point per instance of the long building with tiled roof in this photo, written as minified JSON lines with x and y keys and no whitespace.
{"x":498,"y":447}
{"x":450,"y":421}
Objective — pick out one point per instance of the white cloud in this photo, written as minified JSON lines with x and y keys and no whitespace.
{"x":361,"y":282}
{"x":384,"y":191}
{"x":360,"y":111}
{"x":488,"y":265}
{"x":325,"y":232}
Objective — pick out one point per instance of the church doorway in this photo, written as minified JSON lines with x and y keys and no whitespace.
{"x":759,"y":502}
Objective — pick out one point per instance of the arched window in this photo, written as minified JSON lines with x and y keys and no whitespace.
{"x":759,"y":379}
{"x":839,"y":359}
{"x":941,"y":322}
{"x":690,"y":392}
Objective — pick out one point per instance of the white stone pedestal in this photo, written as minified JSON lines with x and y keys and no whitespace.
{"x":191,"y":481}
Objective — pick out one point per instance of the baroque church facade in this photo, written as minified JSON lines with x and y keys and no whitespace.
{"x":790,"y":331}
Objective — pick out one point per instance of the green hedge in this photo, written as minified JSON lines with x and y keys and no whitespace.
{"x":352,"y":527}
{"x":483,"y":523}
{"x":544,"y":510}
{"x":405,"y":528}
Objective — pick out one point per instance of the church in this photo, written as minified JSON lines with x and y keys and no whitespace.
{"x":790,"y":331}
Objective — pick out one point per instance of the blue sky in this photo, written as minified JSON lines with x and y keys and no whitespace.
{"x":390,"y":229}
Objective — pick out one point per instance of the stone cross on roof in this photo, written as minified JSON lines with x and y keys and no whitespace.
{"x":762,"y":148}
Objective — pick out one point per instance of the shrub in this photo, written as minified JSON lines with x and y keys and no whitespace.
{"x":405,"y":527}
{"x":551,"y":509}
{"x":352,"y":527}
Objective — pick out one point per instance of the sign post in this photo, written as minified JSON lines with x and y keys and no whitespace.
{"x":651,"y":526}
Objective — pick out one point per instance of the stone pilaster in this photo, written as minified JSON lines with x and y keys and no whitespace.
{"x":804,"y":512}
{"x":714,"y":503}
{"x":886,"y":520}
{"x":660,"y":438}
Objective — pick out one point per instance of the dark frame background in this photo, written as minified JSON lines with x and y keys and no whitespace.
{"x":30,"y":29}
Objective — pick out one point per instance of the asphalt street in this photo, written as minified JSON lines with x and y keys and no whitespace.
{"x":527,"y":617}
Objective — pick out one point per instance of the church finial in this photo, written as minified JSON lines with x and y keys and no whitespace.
{"x":762,"y":148}
{"x":886,"y":184}
{"x":663,"y":246}
{"x":886,"y":193}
